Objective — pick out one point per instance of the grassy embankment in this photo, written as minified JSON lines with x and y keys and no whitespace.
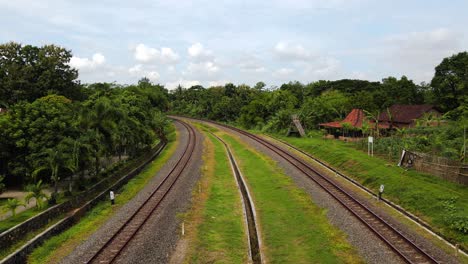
{"x":19,"y":218}
{"x":293,"y":228}
{"x":216,"y":216}
{"x":56,"y":248}
{"x":437,"y":201}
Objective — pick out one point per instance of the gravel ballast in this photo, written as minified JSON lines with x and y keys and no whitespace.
{"x":370,"y":247}
{"x":156,"y":240}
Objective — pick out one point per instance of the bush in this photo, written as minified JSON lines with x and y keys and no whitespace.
{"x":454,"y":218}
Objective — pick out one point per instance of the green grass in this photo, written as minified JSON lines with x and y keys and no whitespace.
{"x":4,"y":252}
{"x":221,"y":235}
{"x":54,"y":249}
{"x":19,"y":218}
{"x":293,"y":228}
{"x":426,"y":196}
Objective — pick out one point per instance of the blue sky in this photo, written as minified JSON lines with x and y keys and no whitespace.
{"x":214,"y":42}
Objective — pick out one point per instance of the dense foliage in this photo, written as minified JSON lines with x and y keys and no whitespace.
{"x":55,"y":127}
{"x":28,"y":72}
{"x":323,"y":101}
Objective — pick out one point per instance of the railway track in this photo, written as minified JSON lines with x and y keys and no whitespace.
{"x":252,"y":229}
{"x":386,"y":231}
{"x":113,"y":247}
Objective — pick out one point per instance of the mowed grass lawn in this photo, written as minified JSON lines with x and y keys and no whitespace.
{"x":56,"y":248}
{"x":293,"y":228}
{"x":220,"y":235}
{"x":428,"y":197}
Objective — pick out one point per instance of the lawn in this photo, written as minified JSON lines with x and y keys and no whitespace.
{"x":293,"y":228}
{"x":220,"y":235}
{"x":56,"y":248}
{"x":442,"y":204}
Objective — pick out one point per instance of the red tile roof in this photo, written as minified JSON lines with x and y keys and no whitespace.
{"x":354,"y":118}
{"x":405,"y":113}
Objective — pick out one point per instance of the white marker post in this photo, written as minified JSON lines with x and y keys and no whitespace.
{"x":370,"y":146}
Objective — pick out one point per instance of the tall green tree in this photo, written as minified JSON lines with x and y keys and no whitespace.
{"x":31,"y":128}
{"x":450,"y":83}
{"x":28,"y":72}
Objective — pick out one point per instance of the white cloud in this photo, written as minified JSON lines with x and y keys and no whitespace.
{"x":217,"y":83}
{"x":315,"y":4}
{"x":84,"y":64}
{"x":416,"y":54}
{"x":181,"y":82}
{"x":323,"y":68}
{"x":288,"y":51}
{"x":251,"y":64}
{"x":283,"y":72}
{"x":207,"y":68}
{"x":146,"y":54}
{"x":199,"y":53}
{"x":152,"y":75}
{"x":139,"y":71}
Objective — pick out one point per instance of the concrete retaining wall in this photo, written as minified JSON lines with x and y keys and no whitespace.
{"x":16,"y":233}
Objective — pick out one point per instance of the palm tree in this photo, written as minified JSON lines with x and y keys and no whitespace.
{"x":11,"y":205}
{"x":100,"y":119}
{"x":375,"y":117}
{"x":53,"y":162}
{"x":36,"y":192}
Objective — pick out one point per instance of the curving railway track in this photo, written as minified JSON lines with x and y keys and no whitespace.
{"x":113,"y":247}
{"x":386,"y":231}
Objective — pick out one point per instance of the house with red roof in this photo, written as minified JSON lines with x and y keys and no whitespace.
{"x":406,"y":116}
{"x":396,"y":116}
{"x":354,"y":118}
{"x":349,"y":127}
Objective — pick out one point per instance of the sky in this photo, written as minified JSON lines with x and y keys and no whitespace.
{"x":243,"y":42}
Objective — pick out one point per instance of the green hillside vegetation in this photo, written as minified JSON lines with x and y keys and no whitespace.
{"x":442,"y":204}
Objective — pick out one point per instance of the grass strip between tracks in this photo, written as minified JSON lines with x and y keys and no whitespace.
{"x":293,"y":228}
{"x":56,"y":248}
{"x":216,"y":213}
{"x":434,"y":200}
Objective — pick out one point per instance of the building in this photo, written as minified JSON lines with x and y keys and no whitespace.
{"x":406,"y":116}
{"x":351,"y":126}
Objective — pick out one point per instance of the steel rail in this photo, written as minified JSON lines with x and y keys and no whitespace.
{"x":395,"y":240}
{"x":113,"y":247}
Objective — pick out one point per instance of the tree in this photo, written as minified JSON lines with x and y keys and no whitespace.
{"x":450,"y":82}
{"x":29,"y":72}
{"x":36,"y":191}
{"x":296,"y":88}
{"x":259,"y":86}
{"x":160,"y":122}
{"x":99,"y":120}
{"x":31,"y":128}
{"x":2,"y":185}
{"x":54,"y":161}
{"x":402,"y":91}
{"x":328,"y":106}
{"x":12,"y":205}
